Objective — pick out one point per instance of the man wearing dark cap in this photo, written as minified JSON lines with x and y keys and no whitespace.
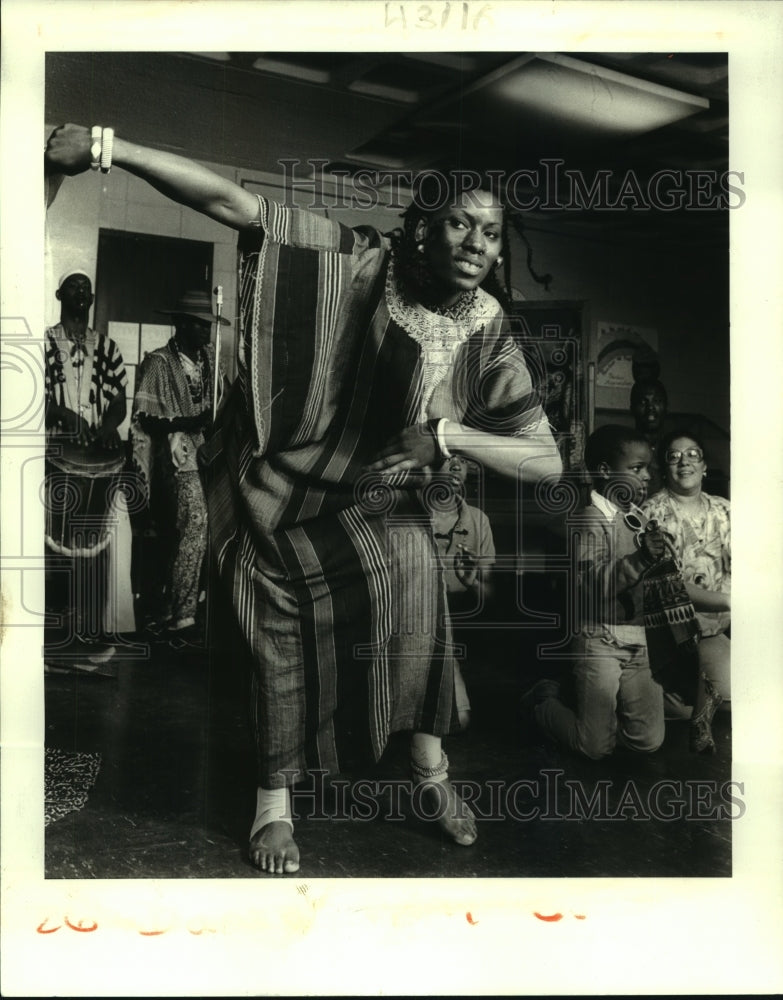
{"x":85,"y":373}
{"x":85,"y":391}
{"x":172,"y":410}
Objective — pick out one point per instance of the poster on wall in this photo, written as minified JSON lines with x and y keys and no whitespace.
{"x":621,"y":349}
{"x":170,"y":857}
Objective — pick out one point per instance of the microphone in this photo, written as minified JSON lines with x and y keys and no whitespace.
{"x":218,"y":290}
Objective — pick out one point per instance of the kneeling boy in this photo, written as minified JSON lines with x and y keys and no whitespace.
{"x":617,"y":699}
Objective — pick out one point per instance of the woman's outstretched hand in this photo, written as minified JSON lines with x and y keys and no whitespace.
{"x":413,"y":448}
{"x":68,"y":150}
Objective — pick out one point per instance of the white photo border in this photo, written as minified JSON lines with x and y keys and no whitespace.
{"x":458,"y":936}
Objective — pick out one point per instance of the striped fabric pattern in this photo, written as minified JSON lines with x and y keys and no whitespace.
{"x":62,"y":362}
{"x":334,"y":577}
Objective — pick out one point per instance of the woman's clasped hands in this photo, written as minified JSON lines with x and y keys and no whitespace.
{"x":414,"y":447}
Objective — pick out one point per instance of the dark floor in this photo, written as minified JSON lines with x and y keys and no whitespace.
{"x":175,"y":794}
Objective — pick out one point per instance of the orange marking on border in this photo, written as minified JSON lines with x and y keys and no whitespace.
{"x":40,"y":928}
{"x":469,"y":918}
{"x":550,"y":918}
{"x":78,"y":927}
{"x":152,"y":933}
{"x":581,"y":916}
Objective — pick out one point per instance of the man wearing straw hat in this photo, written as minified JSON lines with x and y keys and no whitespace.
{"x":173,"y":408}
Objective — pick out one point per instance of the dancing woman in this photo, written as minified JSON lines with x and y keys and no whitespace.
{"x":366,"y":360}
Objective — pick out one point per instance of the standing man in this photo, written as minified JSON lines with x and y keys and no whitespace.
{"x":85,"y":373}
{"x":171,"y":412}
{"x":85,"y":391}
{"x":649,"y":405}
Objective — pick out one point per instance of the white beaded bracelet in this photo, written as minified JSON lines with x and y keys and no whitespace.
{"x":106,"y":151}
{"x":440,"y":434}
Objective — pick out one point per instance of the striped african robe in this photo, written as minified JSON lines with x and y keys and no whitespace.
{"x":162,"y":391}
{"x":84,"y":377}
{"x":333,"y":572}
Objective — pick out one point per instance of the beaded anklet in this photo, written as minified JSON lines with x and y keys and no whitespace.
{"x":440,"y":770}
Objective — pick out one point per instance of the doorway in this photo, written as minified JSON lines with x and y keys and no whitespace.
{"x":138,"y":275}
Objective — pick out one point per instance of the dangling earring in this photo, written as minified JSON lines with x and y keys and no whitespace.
{"x":499,"y":262}
{"x":420,"y":247}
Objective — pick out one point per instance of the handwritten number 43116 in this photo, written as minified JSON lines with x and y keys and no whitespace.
{"x":453,"y":15}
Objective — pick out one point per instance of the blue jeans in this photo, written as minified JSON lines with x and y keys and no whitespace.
{"x":617,"y":699}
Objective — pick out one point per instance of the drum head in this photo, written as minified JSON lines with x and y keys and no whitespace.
{"x":90,"y":461}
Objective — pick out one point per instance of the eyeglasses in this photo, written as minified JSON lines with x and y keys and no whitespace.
{"x":694,"y":454}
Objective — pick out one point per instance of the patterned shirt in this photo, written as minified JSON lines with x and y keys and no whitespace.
{"x":703,"y":544}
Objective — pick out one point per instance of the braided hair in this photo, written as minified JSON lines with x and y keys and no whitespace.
{"x":434,"y":191}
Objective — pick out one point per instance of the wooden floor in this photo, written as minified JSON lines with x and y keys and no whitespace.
{"x":174,"y":797}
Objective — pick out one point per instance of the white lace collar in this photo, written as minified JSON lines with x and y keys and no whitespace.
{"x":439,"y":336}
{"x":437,"y":331}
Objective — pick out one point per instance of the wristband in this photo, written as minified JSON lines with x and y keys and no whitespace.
{"x":440,"y":434}
{"x":107,"y":145}
{"x":96,"y":147}
{"x":434,"y":427}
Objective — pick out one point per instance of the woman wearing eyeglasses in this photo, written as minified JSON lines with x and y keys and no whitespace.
{"x":700,"y":528}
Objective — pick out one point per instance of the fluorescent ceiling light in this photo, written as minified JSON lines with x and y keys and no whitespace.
{"x":297,"y":70}
{"x":461,"y":61}
{"x":217,"y":56}
{"x":385,"y":91}
{"x":572,"y":92}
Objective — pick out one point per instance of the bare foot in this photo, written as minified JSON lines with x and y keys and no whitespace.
{"x":438,"y":801}
{"x":273,"y":849}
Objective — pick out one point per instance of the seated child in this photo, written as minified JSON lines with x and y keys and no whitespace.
{"x":463,"y":537}
{"x":617,"y":698}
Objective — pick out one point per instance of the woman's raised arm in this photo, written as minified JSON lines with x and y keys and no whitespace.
{"x":182,"y":180}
